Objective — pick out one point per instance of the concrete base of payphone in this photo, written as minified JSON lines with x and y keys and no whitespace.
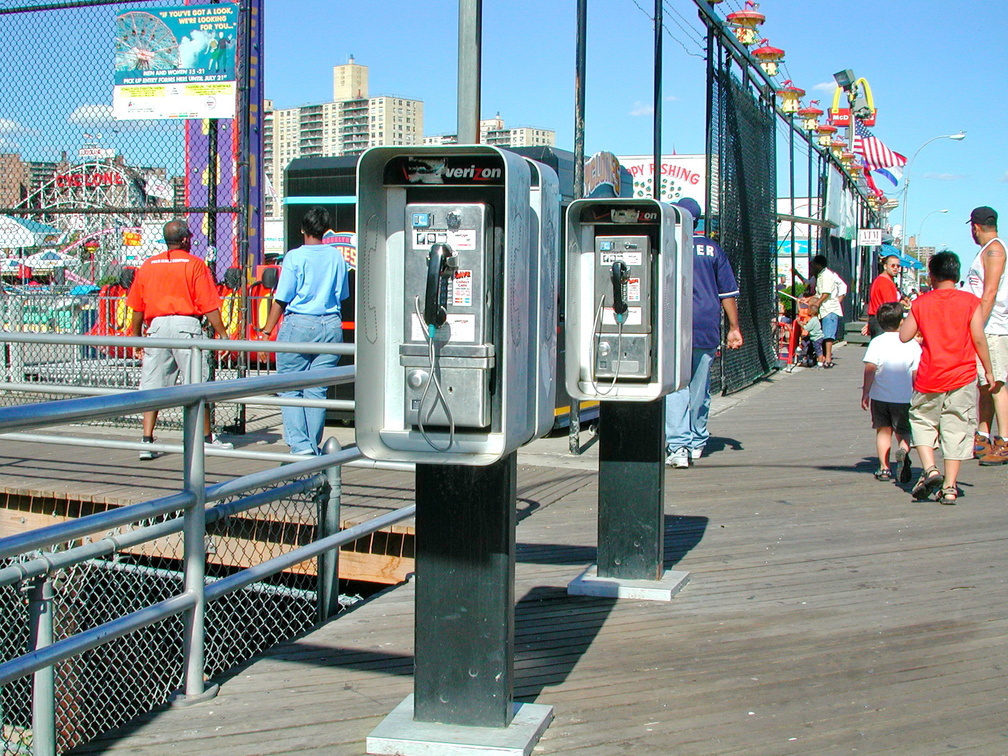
{"x":588,"y":583}
{"x":401,"y":735}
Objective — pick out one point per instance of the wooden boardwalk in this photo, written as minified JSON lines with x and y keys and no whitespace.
{"x":826,"y":612}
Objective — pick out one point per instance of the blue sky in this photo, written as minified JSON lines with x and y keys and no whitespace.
{"x":935,"y":68}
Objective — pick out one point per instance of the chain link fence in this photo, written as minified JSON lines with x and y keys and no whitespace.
{"x":84,"y":195}
{"x":742,"y":210}
{"x":103,"y":312}
{"x":108,"y":686}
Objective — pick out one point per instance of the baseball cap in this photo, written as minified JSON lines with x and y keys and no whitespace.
{"x":691,"y":205}
{"x":984,"y":216}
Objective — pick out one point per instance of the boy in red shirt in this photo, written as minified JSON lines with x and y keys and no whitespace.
{"x":951,"y":325}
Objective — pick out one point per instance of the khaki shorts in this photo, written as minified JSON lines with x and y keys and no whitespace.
{"x":947,"y":419}
{"x":997,"y":345}
{"x":164,"y":367}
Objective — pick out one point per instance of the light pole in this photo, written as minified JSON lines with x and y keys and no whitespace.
{"x":906,"y":179}
{"x":919,"y":231}
{"x":920,"y":228}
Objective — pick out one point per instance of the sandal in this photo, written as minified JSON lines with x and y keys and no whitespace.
{"x":948,"y":495}
{"x":883,"y":473}
{"x":930,"y":480}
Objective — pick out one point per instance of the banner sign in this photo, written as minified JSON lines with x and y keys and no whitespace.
{"x":680,"y":176}
{"x":176,"y":62}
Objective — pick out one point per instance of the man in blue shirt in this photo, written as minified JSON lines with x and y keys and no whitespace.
{"x":714,"y":292}
{"x":313,"y":284}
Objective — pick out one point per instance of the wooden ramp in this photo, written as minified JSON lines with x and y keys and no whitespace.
{"x":826,"y":612}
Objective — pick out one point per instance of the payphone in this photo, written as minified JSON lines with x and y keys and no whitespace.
{"x":447,"y":303}
{"x":628,"y":299}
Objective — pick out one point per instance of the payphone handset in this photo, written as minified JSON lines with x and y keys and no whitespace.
{"x":622,"y":326}
{"x":441,"y":262}
{"x":448,"y":351}
{"x":629,"y":278}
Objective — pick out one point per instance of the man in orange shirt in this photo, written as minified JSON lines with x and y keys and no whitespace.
{"x":171,"y":292}
{"x":883,"y":289}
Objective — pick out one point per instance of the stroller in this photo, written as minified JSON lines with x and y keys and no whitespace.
{"x":803,"y":351}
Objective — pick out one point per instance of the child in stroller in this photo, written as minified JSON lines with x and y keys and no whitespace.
{"x":809,"y":352}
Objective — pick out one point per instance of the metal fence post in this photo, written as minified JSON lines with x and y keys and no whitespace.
{"x":40,"y":618}
{"x":15,"y":365}
{"x":194,"y":558}
{"x":328,"y":524}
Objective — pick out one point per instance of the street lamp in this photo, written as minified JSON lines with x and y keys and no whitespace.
{"x":918,"y":255}
{"x":920,"y":228}
{"x":906,"y":178}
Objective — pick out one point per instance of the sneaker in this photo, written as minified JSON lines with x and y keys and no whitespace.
{"x":695,"y":454}
{"x":981,"y":445}
{"x":216,"y":443}
{"x":678,"y":458}
{"x":903,"y":465}
{"x":998,"y":454}
{"x":146,"y":454}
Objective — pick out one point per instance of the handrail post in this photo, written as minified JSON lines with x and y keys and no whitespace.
{"x":194,"y":558}
{"x":198,"y":361}
{"x":328,"y":524}
{"x":40,"y":614}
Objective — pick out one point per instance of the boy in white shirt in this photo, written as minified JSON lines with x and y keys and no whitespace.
{"x":889,"y":369}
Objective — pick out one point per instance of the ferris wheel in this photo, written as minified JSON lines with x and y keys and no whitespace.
{"x":143,"y":42}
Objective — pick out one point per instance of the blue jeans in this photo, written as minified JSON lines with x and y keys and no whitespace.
{"x":686,"y":410}
{"x":303,"y":425}
{"x":830,"y":326}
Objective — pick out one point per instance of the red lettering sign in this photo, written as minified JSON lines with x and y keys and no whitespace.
{"x":95,"y":178}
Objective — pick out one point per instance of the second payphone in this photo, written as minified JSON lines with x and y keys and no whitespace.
{"x":628,"y":299}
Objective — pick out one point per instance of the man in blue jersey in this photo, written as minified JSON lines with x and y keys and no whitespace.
{"x":714,"y":292}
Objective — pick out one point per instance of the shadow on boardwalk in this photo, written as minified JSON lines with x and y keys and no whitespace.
{"x":826,"y":612}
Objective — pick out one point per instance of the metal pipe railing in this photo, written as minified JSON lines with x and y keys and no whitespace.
{"x":144,"y":342}
{"x":252,"y":401}
{"x":90,"y":408}
{"x":61,"y":560}
{"x":191,"y":502}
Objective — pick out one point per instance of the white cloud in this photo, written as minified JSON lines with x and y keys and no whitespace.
{"x":91,"y":115}
{"x":9,"y":126}
{"x":825,"y":86}
{"x":1005,"y":177}
{"x":641,"y":109}
{"x":944,"y":176}
{"x":190,"y":48}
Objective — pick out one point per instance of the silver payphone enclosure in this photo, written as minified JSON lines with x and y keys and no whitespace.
{"x":474,"y":200}
{"x":647,"y":352}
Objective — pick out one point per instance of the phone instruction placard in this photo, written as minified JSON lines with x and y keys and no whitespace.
{"x":462,"y":288}
{"x":630,"y":258}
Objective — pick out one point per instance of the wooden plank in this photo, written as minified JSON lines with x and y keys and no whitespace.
{"x":826,"y":612}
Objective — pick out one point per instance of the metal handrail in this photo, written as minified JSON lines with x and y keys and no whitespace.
{"x":77,"y":410}
{"x":143,"y":342}
{"x":191,"y":500}
{"x":70,"y":530}
{"x":49,"y":563}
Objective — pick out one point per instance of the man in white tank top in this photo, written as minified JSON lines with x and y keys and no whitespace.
{"x":986,"y":279}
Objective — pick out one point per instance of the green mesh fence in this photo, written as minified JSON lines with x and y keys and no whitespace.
{"x":742,"y":216}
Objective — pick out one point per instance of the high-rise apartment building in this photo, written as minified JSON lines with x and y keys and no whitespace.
{"x":493,"y":131}
{"x":349,"y":125}
{"x":15,"y":179}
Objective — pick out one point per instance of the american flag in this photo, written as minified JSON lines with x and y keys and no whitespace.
{"x":876,"y":154}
